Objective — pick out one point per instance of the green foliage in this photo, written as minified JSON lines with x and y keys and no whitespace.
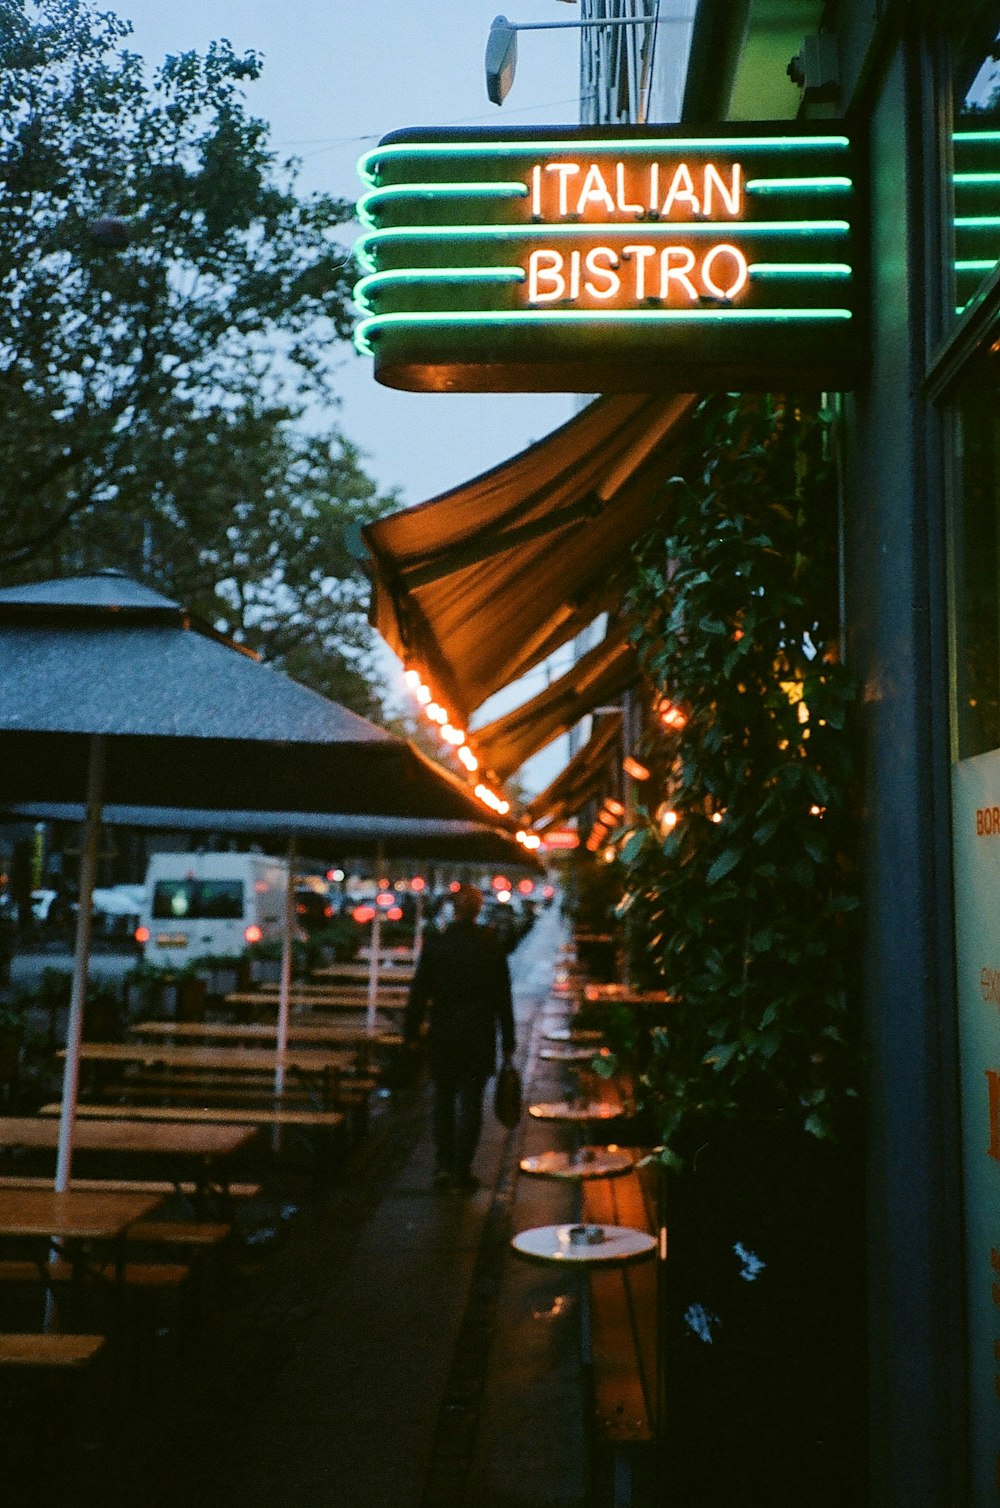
{"x":169,"y":309}
{"x":747,"y":908}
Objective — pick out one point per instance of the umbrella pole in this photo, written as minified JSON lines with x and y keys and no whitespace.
{"x":285,"y":991}
{"x":373,"y":962}
{"x":418,"y":928}
{"x":81,"y":958}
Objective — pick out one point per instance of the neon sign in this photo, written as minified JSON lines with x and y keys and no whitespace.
{"x":593,"y":261}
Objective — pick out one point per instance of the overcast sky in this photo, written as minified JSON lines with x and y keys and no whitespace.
{"x":337,"y":77}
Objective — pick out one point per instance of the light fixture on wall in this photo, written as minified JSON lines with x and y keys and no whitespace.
{"x":501,"y":44}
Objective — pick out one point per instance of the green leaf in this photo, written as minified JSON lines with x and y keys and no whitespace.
{"x":633,"y":847}
{"x":723,"y":865}
{"x":720,"y":1057}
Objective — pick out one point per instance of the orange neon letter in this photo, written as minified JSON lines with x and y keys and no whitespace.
{"x":611,"y":281}
{"x":684,"y":256}
{"x":641,"y":253}
{"x":681,"y":188}
{"x":595,"y":188}
{"x":545,"y":268}
{"x":731,"y":196}
{"x":625,"y":209}
{"x":565,"y":170}
{"x":741,"y":271}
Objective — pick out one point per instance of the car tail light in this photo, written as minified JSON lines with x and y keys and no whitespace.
{"x":395,"y":914}
{"x":142,"y":934}
{"x":363,"y":913}
{"x":253,"y":934}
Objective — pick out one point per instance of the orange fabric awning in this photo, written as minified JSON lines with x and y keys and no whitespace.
{"x":476,"y":586}
{"x":600,"y":675}
{"x":588,"y":774}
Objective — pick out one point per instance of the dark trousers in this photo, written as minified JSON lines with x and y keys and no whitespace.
{"x":458,"y":1120}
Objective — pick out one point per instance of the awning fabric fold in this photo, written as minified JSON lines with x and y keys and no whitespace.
{"x":586,"y":775}
{"x":600,"y":675}
{"x":476,"y":586}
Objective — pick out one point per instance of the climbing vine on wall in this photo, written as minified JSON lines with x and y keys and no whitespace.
{"x":742,"y":890}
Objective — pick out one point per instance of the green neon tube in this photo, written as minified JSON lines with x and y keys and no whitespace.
{"x":976,"y":222}
{"x":541,"y":317}
{"x":490,"y":149}
{"x":431,"y":275}
{"x":799,"y":269}
{"x":831,"y":184}
{"x":438,"y":191}
{"x":976,"y":177}
{"x":977,"y":265}
{"x":976,"y":136}
{"x":364,"y":244}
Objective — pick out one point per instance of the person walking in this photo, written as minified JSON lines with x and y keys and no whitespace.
{"x":462,"y":986}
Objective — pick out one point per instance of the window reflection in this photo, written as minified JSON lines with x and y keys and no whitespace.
{"x":977,"y":568}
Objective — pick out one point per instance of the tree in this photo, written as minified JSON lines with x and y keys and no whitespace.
{"x":743,"y":892}
{"x":169,"y":306}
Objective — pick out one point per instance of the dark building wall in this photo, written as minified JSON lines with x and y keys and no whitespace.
{"x":897,"y":644}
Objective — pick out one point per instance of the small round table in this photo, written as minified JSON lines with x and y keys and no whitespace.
{"x":569,"y":1054}
{"x":583,"y":1244}
{"x":574,"y":1110}
{"x":584,"y":1162}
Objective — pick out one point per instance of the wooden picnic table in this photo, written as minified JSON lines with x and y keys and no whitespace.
{"x":216,"y":1059}
{"x":322,"y":1064}
{"x":326,"y":1033}
{"x":204,"y":1146}
{"x":76,"y":1215}
{"x":79,"y":1218}
{"x":389,"y":973}
{"x":330,"y":1000}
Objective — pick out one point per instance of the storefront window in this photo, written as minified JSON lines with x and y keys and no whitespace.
{"x":977,"y":569}
{"x":976,"y":166}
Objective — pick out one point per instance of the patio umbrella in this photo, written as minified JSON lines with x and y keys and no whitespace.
{"x":112,"y":691}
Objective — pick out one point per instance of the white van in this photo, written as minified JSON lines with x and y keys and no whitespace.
{"x":210,"y":904}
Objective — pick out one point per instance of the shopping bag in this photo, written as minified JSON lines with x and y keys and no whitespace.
{"x":507,"y":1096}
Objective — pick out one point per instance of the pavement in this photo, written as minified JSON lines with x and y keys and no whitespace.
{"x":380,"y":1345}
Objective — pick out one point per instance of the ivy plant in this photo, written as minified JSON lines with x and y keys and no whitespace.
{"x":741,"y":878}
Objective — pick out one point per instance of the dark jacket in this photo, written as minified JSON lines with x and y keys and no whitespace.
{"x":463,"y":982}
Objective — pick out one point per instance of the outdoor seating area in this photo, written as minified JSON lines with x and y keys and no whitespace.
{"x":191,"y":1179}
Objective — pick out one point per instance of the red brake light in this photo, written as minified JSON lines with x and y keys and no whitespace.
{"x":253,"y":934}
{"x":395,"y":914}
{"x":142,"y":934}
{"x":363,"y":913}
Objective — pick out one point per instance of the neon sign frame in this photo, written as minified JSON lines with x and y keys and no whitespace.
{"x":586,"y":260}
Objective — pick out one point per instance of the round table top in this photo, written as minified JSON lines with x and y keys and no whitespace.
{"x":585,"y":1244}
{"x":571,"y":1110}
{"x":570,"y":1054}
{"x":585,"y":1162}
{"x":573,"y":1034}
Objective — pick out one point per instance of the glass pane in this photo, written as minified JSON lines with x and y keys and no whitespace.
{"x":977,"y":569}
{"x":198,"y":900}
{"x":977,"y":172}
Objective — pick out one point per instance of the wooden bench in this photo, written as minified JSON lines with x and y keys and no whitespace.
{"x":125,"y":1185}
{"x":331,"y":1120}
{"x":49,"y":1352}
{"x":622,"y":1342}
{"x":149,"y":1275}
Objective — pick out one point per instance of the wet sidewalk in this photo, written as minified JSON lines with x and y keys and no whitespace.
{"x":381,"y":1345}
